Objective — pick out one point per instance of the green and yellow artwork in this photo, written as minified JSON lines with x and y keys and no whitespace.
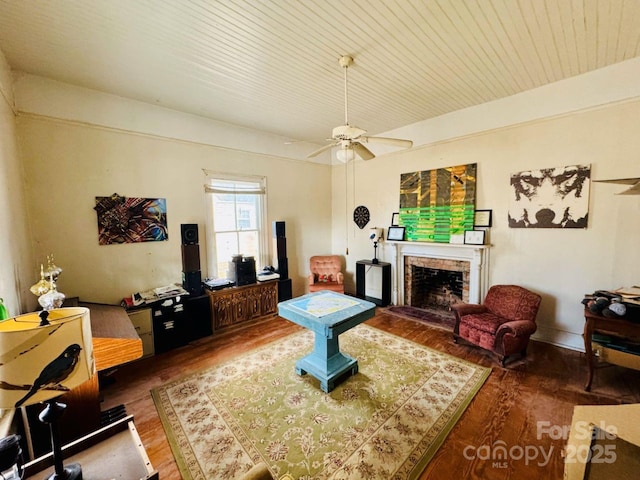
{"x":438,"y":204}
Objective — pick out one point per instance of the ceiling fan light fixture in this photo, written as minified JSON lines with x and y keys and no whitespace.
{"x":345,"y":155}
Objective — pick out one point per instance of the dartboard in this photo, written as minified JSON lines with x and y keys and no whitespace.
{"x":361,"y":216}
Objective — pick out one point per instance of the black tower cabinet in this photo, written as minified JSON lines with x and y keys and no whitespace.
{"x":198,"y":316}
{"x":282,"y":262}
{"x":284,"y":290}
{"x":364,"y":266}
{"x":191,"y":275}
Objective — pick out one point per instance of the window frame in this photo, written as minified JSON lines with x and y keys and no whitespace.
{"x":212,"y":256}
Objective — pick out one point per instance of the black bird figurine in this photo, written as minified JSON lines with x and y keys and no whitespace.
{"x":54,"y":373}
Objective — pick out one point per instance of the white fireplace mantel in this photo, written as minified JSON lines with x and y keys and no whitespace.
{"x":476,"y":255}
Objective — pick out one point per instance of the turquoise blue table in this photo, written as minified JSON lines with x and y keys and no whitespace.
{"x":327,"y":314}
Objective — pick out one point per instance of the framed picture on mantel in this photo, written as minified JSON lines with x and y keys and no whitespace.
{"x":474,"y":237}
{"x":396,"y":233}
{"x":482,"y":218}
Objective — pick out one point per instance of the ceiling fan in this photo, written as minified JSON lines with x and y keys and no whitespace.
{"x":351,"y":139}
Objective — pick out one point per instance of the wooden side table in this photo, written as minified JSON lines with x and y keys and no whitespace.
{"x":618,"y":327}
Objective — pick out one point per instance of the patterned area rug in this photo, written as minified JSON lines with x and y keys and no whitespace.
{"x":444,"y":320}
{"x":385,"y":422}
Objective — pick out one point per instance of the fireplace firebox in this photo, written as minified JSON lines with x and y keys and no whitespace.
{"x":435,"y":283}
{"x":435,"y":288}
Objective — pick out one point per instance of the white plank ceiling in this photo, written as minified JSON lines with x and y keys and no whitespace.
{"x":272,"y":65}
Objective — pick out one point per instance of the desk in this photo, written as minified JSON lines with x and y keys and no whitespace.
{"x":619,"y":327}
{"x":115,"y":340}
{"x":327,"y":314}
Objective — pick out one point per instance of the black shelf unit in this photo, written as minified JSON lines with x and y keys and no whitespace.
{"x":362,"y":266}
{"x":180,"y":320}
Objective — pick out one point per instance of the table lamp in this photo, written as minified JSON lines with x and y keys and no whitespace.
{"x":43,"y":356}
{"x":375,"y":235}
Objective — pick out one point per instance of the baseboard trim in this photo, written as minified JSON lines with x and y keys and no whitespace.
{"x":559,"y":338}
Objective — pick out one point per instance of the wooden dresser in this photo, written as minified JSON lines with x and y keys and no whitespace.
{"x":234,"y":306}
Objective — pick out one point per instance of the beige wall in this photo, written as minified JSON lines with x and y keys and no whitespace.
{"x":78,"y":144}
{"x":561,"y":265}
{"x":69,"y":164}
{"x":16,"y":264}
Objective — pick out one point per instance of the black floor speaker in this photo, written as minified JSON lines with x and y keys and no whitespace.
{"x":280,"y":247}
{"x":192,"y":282}
{"x":189,"y":232}
{"x":283,"y":268}
{"x":284,"y":290}
{"x":278,"y":229}
{"x":190,"y":258}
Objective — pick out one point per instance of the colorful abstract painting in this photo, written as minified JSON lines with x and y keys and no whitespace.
{"x":550,"y":198}
{"x":438,"y":204}
{"x":131,"y":220}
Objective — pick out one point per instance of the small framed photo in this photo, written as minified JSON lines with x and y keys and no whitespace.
{"x":395,"y":233}
{"x":395,"y":218}
{"x":474,"y":237}
{"x":482,"y":218}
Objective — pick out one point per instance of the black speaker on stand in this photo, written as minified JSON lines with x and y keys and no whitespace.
{"x":282,"y":263}
{"x":191,"y":274}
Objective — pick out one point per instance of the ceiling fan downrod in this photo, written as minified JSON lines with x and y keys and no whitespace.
{"x":345,"y":62}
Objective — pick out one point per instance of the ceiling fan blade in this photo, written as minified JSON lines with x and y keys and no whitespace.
{"x":396,"y":142}
{"x":321,"y":150}
{"x":362,"y":151}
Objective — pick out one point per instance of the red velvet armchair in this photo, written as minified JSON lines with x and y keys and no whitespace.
{"x":326,"y":273}
{"x":502,"y":324}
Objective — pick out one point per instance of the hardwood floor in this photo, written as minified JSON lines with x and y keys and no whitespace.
{"x":543,"y":388}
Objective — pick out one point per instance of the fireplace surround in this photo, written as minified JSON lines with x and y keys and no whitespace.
{"x":471,"y":260}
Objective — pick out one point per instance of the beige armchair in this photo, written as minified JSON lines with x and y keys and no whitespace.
{"x":326,"y":273}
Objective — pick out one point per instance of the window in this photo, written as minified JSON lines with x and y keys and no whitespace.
{"x":236,"y":220}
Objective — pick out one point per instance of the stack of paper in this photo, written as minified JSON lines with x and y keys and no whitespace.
{"x":629,"y":294}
